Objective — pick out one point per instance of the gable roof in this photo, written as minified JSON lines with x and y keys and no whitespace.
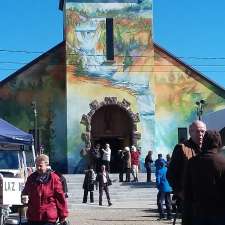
{"x":219,"y":90}
{"x":27,"y":66}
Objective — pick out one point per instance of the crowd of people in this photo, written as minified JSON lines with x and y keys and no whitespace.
{"x":194,"y":176}
{"x":97,"y":175}
{"x":128,"y":158}
{"x":98,"y":172}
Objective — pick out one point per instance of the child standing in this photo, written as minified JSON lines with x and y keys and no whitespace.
{"x":164,"y":190}
{"x":88,"y":185}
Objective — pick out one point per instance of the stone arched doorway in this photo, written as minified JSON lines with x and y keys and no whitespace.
{"x":111,"y":122}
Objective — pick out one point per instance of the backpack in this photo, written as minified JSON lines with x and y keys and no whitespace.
{"x":63,"y":181}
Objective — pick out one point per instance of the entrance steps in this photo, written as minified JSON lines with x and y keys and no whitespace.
{"x":123,"y":195}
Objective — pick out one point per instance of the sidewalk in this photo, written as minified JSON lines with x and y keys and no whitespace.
{"x":133,"y":204}
{"x":110,"y":216}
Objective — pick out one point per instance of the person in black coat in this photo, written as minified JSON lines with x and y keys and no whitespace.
{"x":104,"y":181}
{"x":204,"y":194}
{"x":148,"y":163}
{"x":122,"y":166}
{"x":88,"y":185}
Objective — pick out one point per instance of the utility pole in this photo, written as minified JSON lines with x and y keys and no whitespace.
{"x":34,"y":107}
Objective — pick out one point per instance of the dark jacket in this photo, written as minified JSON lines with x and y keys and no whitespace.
{"x":148,"y":162}
{"x":121,"y":161}
{"x":205,"y":182}
{"x":99,"y":179}
{"x":46,"y":200}
{"x":178,"y":164}
{"x":89,"y":180}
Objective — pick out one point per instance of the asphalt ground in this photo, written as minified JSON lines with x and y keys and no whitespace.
{"x":116,"y":216}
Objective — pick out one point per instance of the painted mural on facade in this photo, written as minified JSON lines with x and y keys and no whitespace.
{"x":90,"y":77}
{"x":155,"y":91}
{"x":164,"y":100}
{"x":178,"y":89}
{"x":44,"y":83}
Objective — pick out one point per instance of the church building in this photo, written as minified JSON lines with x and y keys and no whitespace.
{"x":107,"y":82}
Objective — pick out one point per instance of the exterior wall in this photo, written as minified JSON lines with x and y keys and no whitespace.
{"x":146,"y":82}
{"x":90,"y":77}
{"x":177,"y":89}
{"x":43,"y":82}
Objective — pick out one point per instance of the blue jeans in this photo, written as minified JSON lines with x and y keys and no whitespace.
{"x":161,"y":197}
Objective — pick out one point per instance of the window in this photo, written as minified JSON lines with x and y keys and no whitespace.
{"x":182,"y":134}
{"x":9,"y":159}
{"x":109,"y":39}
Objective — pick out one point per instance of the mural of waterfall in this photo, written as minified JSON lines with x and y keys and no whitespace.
{"x":87,"y":32}
{"x":131,"y":38}
{"x":88,"y":36}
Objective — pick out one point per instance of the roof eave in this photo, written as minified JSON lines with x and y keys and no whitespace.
{"x":61,"y":4}
{"x":27,"y":66}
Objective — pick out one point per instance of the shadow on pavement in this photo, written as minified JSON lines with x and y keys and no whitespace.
{"x":150,"y":210}
{"x":110,"y":220}
{"x":139,"y":184}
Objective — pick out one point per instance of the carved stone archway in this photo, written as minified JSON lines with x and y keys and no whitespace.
{"x":95,"y":105}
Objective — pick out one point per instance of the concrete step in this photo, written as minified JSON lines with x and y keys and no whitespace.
{"x":123,"y":195}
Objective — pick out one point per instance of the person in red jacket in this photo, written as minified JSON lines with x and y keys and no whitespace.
{"x":135,"y":154}
{"x":46,"y":199}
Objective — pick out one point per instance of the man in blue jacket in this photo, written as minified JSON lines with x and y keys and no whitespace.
{"x":164,"y":190}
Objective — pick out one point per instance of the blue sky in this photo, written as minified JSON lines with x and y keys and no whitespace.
{"x":193,"y":30}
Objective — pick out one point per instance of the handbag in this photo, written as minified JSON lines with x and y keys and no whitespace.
{"x":109,"y":182}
